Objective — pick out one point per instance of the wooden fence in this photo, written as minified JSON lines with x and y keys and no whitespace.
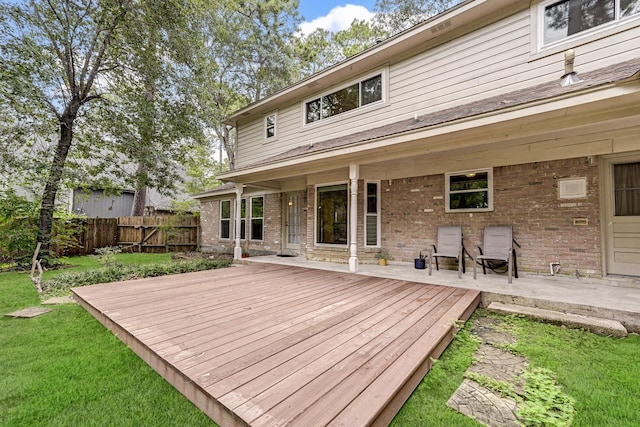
{"x":156,"y":234}
{"x":152,"y":234}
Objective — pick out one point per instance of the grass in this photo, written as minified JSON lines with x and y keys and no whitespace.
{"x":601,"y":373}
{"x":64,"y":368}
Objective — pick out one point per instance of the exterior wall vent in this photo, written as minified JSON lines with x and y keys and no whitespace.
{"x":440,"y":27}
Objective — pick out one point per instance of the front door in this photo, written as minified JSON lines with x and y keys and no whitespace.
{"x":622,"y":214}
{"x":292,"y":211}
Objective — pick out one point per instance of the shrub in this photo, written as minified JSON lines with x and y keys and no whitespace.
{"x":19,"y":227}
{"x":114,"y":273}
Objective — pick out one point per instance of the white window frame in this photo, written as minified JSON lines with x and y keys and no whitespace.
{"x":243,"y":219}
{"x":315,"y":215}
{"x":384,"y":95}
{"x":616,"y":25}
{"x":489,"y":190}
{"x":250,"y":218}
{"x":230,"y":220}
{"x":367,"y":214}
{"x":268,"y":138}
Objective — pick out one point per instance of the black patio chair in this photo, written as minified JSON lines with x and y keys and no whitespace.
{"x":448,"y":245}
{"x":498,"y":246}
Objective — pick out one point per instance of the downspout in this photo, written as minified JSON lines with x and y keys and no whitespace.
{"x":354,"y":171}
{"x":237,"y":250}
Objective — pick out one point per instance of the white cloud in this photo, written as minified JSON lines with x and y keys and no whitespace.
{"x":338,"y":19}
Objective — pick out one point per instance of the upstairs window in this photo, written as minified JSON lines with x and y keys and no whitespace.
{"x":469,"y":191}
{"x":270,"y":127}
{"x":348,"y":98}
{"x":565,"y":18}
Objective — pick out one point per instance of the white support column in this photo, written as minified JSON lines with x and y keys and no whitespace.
{"x":237,"y":250}
{"x":354,"y":172}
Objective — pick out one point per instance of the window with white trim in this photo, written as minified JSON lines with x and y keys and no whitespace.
{"x":350,"y":97}
{"x":372,"y":214}
{"x":257,"y":218}
{"x":469,"y":191}
{"x":563,"y":19}
{"x":243,"y":219}
{"x":270,"y":127}
{"x":225,"y":219}
{"x":332,"y":214}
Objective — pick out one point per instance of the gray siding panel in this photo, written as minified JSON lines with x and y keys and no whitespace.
{"x":97,"y":205}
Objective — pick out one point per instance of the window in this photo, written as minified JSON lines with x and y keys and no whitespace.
{"x":372,"y":214}
{"x":270,"y":127}
{"x":332,"y":214}
{"x":225,"y":219}
{"x":243,"y":219}
{"x":257,"y":218}
{"x":562,"y":19}
{"x":626,"y":182}
{"x":348,"y":98}
{"x":469,"y":191}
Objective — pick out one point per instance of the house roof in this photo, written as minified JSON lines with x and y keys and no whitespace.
{"x":229,"y":187}
{"x":517,"y":99}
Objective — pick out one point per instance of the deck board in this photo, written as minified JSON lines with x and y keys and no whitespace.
{"x":268,"y":345}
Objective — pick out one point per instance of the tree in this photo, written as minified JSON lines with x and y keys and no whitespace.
{"x":315,"y":52}
{"x":322,"y":48}
{"x":91,"y":94}
{"x":395,"y":16}
{"x":54,"y":54}
{"x":248,"y":44}
{"x":201,"y":168}
{"x":360,"y":36}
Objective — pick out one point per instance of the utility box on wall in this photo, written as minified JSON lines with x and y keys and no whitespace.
{"x":573,"y":188}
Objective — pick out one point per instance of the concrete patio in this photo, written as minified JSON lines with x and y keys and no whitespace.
{"x":615,"y":298}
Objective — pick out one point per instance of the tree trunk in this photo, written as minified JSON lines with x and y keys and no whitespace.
{"x":52,"y":185}
{"x":140,"y":196}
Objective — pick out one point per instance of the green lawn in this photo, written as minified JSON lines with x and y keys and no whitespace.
{"x":602,"y":374}
{"x":64,"y":368}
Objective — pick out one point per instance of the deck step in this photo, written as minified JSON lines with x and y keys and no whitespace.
{"x":593,"y":324}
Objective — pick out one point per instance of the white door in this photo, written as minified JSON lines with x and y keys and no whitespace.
{"x":292,"y":211}
{"x":622,"y":214}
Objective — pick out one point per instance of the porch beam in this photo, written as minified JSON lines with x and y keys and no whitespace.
{"x":354,"y":172}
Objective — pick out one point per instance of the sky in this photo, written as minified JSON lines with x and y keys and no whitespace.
{"x":333,"y":15}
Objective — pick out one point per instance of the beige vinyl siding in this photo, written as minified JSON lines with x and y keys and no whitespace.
{"x":491,"y":60}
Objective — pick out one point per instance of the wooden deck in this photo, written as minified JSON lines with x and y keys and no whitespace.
{"x":272,"y":345}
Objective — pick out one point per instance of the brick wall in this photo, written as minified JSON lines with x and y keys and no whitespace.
{"x":209,"y":225}
{"x":525,"y":196}
{"x":210,"y":222}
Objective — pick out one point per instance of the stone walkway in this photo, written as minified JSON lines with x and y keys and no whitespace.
{"x":478,"y":402}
